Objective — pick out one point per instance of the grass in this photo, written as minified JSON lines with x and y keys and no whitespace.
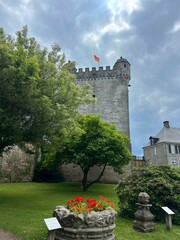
{"x":23,"y":206}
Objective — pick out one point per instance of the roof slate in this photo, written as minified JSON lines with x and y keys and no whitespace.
{"x":168,"y":135}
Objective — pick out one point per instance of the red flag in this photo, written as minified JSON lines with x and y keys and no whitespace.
{"x":96,"y":58}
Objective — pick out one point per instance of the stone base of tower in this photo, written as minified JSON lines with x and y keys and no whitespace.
{"x":74,"y":174}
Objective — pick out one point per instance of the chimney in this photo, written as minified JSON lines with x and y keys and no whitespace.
{"x":166,"y":124}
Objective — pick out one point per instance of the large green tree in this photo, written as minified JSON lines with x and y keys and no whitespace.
{"x":38,"y":95}
{"x":100,"y":144}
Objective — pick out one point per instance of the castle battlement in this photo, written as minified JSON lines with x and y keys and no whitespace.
{"x":121,"y":69}
{"x":80,"y":70}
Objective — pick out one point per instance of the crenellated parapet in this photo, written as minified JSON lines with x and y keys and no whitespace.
{"x":121,"y":69}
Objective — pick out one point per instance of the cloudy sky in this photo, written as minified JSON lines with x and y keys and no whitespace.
{"x":146,"y":32}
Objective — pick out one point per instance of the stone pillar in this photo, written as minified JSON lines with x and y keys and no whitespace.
{"x":143,"y":217}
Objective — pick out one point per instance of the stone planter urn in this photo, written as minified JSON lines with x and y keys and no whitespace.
{"x":92,"y":225}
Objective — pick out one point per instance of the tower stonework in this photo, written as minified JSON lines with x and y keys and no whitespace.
{"x":110,"y":89}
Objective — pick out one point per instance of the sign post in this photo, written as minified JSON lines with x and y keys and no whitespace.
{"x":52,"y":224}
{"x":168,"y":218}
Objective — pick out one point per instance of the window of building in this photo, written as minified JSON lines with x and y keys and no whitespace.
{"x":93,"y":95}
{"x":155,"y":151}
{"x":179,"y":148}
{"x":173,"y":149}
{"x":176,"y":149}
{"x":169,"y":147}
{"x":124,"y":65}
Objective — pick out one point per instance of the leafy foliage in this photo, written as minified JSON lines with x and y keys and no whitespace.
{"x":162,"y":185}
{"x":38,"y":94}
{"x":47,"y":170}
{"x":99,"y":144}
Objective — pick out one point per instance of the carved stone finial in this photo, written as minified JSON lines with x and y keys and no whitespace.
{"x":143,"y":217}
{"x":143,"y":198}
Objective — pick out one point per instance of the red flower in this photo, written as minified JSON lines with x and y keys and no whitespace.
{"x":102,"y":198}
{"x":90,"y":200}
{"x":78,"y":205}
{"x":92,"y":204}
{"x":79,"y":199}
{"x":99,"y":206}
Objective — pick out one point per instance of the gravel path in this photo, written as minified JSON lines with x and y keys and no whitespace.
{"x":8,"y":236}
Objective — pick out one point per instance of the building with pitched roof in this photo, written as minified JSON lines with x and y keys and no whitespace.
{"x":164,"y":148}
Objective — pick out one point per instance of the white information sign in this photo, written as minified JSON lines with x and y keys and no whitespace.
{"x":168,"y":210}
{"x":52,"y":223}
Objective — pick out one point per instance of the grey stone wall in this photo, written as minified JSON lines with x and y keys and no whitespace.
{"x":74,"y":173}
{"x":158,"y":154}
{"x":110,"y":89}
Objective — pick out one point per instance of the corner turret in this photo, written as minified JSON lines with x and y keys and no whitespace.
{"x":122,"y":67}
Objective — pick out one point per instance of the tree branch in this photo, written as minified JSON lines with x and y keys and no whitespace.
{"x":96,"y":180}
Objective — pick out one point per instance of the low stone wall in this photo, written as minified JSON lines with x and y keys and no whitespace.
{"x":16,"y":165}
{"x":75,"y":174}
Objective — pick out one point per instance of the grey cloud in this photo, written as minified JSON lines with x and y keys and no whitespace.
{"x":154,"y":22}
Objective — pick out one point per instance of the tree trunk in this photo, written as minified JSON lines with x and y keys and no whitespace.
{"x":84,"y":181}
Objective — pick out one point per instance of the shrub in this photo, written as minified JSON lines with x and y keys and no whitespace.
{"x":47,"y":170}
{"x":162,"y":185}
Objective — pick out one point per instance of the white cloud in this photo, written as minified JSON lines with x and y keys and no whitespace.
{"x":111,"y":55}
{"x":21,"y":12}
{"x":117,"y":7}
{"x":176,"y":27}
{"x":114,"y":27}
{"x":92,"y":38}
{"x":118,"y":20}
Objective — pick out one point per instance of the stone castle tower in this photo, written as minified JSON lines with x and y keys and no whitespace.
{"x":110,"y":88}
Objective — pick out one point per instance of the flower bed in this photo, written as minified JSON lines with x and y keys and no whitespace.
{"x":88,"y":219}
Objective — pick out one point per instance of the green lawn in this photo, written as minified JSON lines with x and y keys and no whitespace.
{"x":23,"y":206}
